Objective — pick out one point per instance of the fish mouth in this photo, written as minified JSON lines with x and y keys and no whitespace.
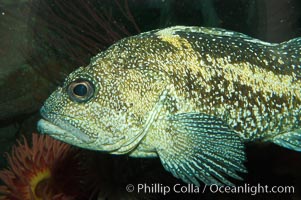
{"x":59,"y":129}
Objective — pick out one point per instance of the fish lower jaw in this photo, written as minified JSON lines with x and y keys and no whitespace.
{"x":62,"y":131}
{"x":45,"y":127}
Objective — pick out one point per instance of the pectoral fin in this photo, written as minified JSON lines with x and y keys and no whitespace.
{"x":202,"y":148}
{"x":290,"y":140}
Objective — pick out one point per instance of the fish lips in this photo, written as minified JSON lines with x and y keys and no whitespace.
{"x":60,"y":129}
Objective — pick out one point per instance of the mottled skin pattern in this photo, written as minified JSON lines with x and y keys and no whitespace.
{"x":255,"y":86}
{"x":252,"y":86}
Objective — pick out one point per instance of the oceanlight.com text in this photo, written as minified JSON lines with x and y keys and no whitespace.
{"x":158,"y":188}
{"x":251,"y":189}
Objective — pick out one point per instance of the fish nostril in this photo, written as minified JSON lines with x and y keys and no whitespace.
{"x":58,"y":93}
{"x":42,"y":110}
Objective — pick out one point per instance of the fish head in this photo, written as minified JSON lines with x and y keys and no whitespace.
{"x":106,"y":105}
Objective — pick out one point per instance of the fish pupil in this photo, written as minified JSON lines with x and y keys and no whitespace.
{"x":80,"y":90}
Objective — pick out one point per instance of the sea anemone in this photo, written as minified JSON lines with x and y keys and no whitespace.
{"x":49,"y":169}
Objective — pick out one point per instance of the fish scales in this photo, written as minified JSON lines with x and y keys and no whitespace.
{"x":191,"y":96}
{"x":234,"y":73}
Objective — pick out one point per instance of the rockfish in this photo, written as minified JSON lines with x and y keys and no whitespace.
{"x":192,"y":96}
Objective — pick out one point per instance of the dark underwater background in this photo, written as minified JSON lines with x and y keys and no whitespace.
{"x":42,"y":41}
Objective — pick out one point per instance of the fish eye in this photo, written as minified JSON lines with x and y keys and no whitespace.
{"x":80,"y":90}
